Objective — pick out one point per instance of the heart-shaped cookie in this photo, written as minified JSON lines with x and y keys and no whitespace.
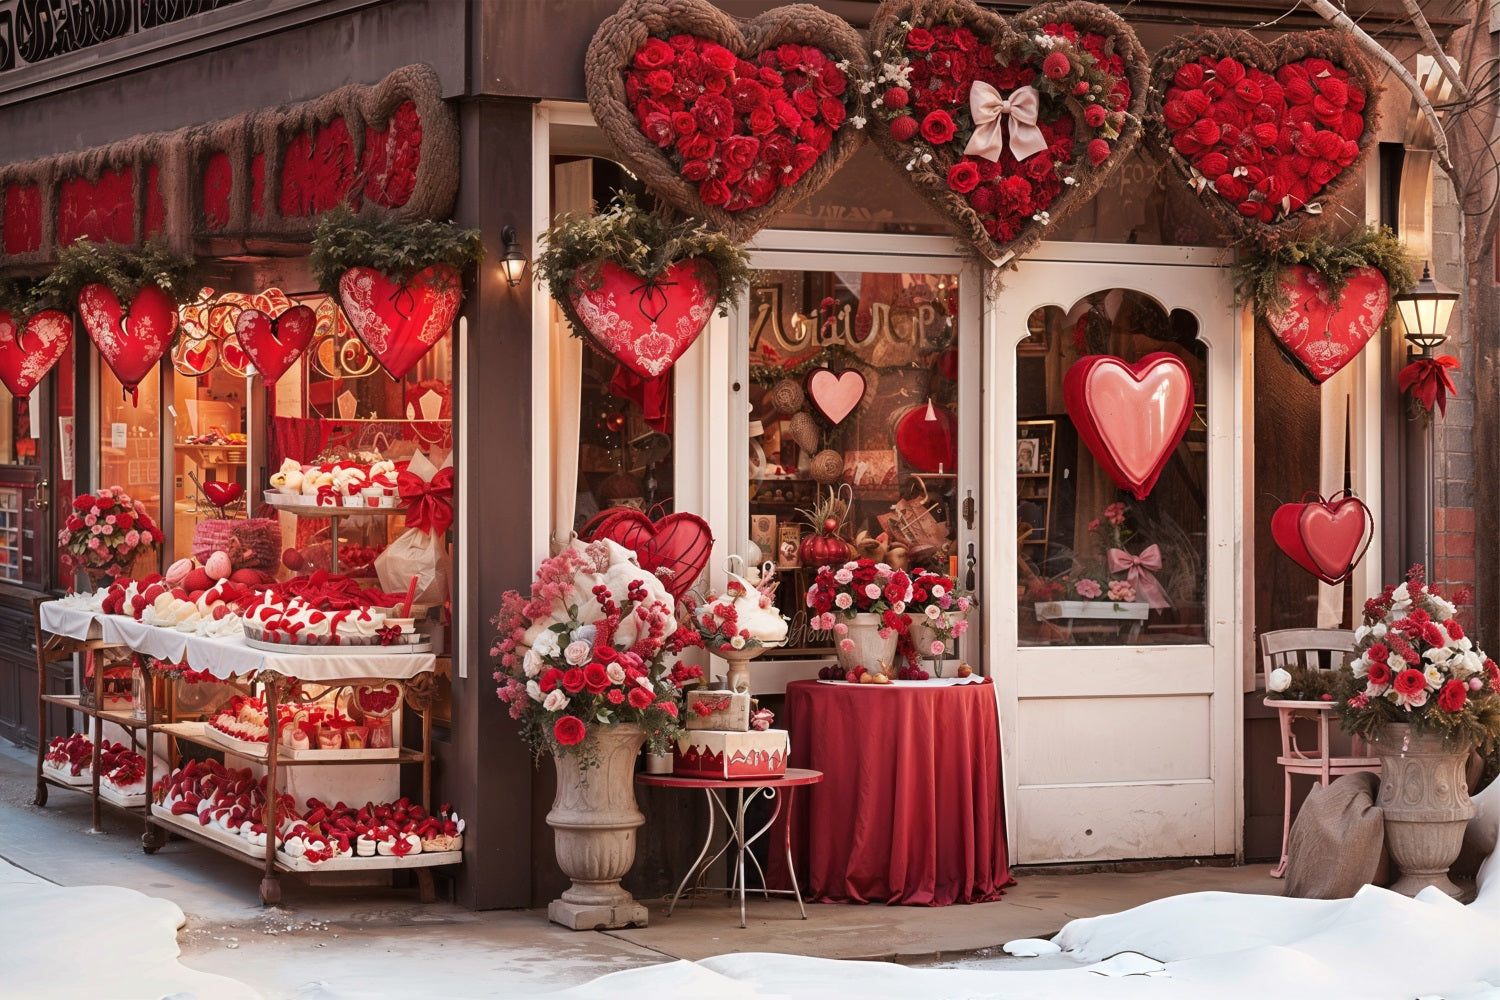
{"x":1004,"y":125}
{"x":130,"y":341}
{"x":1266,"y":133}
{"x":274,"y":345}
{"x":1321,"y":336}
{"x":645,"y":324}
{"x":726,"y":120}
{"x":1325,"y":537}
{"x":30,"y":346}
{"x":1130,"y":416}
{"x":400,"y":321}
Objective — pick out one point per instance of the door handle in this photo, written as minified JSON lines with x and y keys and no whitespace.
{"x":41,"y":501}
{"x":969,"y":576}
{"x":968,"y":510}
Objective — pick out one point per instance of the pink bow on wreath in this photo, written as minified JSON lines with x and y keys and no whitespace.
{"x":429,"y":505}
{"x":1428,"y":381}
{"x":990,"y":109}
{"x":1141,"y":573}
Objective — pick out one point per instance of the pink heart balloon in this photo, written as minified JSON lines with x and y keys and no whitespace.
{"x":1130,"y":416}
{"x":835,"y":394}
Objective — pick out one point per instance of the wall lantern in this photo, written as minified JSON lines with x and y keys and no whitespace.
{"x":513,"y":263}
{"x":1425,"y":311}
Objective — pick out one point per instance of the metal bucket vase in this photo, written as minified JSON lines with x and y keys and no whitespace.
{"x":867,"y":648}
{"x":1425,"y":799}
{"x":594,"y":819}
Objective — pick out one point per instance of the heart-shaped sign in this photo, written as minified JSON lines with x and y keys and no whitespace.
{"x":222,"y":494}
{"x":1266,"y":133}
{"x":1006,"y":126}
{"x":1130,"y":416}
{"x":131,"y":342}
{"x":1321,"y":336}
{"x":400,"y":321}
{"x":835,"y":394}
{"x":645,"y":323}
{"x":729,"y":121}
{"x":1327,"y":538}
{"x":675,"y":548}
{"x":274,"y":345}
{"x":195,"y":356}
{"x":927,"y":438}
{"x":29,"y":350}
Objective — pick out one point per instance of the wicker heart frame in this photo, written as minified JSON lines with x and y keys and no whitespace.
{"x":1102,"y":93}
{"x":1255,"y":97}
{"x":617,"y":56}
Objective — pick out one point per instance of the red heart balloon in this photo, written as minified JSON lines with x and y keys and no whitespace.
{"x":835,"y":394}
{"x":274,"y":345}
{"x":27,"y":353}
{"x":1321,"y":336}
{"x":675,"y":548}
{"x":1130,"y":416}
{"x":222,"y":494}
{"x":399,"y":322}
{"x":1327,"y":538}
{"x":645,"y":324}
{"x":928,"y":445}
{"x":131,"y":342}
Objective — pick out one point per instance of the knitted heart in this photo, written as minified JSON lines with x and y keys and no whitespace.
{"x":729,"y":121}
{"x":400,"y":321}
{"x":1266,"y":133}
{"x":675,"y":548}
{"x":645,"y":323}
{"x":1006,"y":126}
{"x":274,"y":345}
{"x":28,"y":351}
{"x":131,"y":342}
{"x":1325,"y":537}
{"x":222,"y":494}
{"x":1130,"y":416}
{"x":835,"y":394}
{"x":1321,"y":336}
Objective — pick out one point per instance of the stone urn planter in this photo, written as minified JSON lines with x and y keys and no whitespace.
{"x":1425,"y":799}
{"x":594,"y":819}
{"x":868,"y":649}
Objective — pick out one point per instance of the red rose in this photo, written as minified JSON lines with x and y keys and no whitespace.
{"x":833,"y":111}
{"x":803,"y":156}
{"x":1379,"y":652}
{"x":1298,"y":91}
{"x":682,"y":43}
{"x":1230,"y":188}
{"x":653,"y":55}
{"x":1098,"y":151}
{"x":1452,"y":696}
{"x":1178,"y":114}
{"x":640,"y":698}
{"x":658,"y":128}
{"x":762,"y":121}
{"x":739,"y":151}
{"x":963,"y":176}
{"x":1206,"y":132}
{"x":549,"y":680}
{"x":1410,"y":682}
{"x":715,"y":116}
{"x":1038,"y":167}
{"x":1185,"y":144}
{"x":573,"y":680}
{"x":1265,"y":134}
{"x":615,"y":696}
{"x":903,"y":129}
{"x":595,"y":677}
{"x":569,"y":730}
{"x":1322,"y":172}
{"x":919,"y":40}
{"x":1249,"y":92}
{"x":719,"y":57}
{"x":1380,"y":673}
{"x":938,"y":128}
{"x":713,"y":191}
{"x":787,"y":115}
{"x":1056,"y":66}
{"x":668,"y":706}
{"x":661,"y":82}
{"x":1213,"y":164}
{"x":1189,"y":77}
{"x":1228,"y":72}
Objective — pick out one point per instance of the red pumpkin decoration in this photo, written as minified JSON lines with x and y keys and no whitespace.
{"x":1327,"y":538}
{"x":400,"y":321}
{"x":674,"y":548}
{"x":645,"y":323}
{"x":1320,"y":336}
{"x":927,"y":438}
{"x":29,"y":350}
{"x":1130,"y":416}
{"x":130,"y":341}
{"x":824,"y":548}
{"x":274,"y":345}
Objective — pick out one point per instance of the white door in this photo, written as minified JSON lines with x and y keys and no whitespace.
{"x":1120,"y":725}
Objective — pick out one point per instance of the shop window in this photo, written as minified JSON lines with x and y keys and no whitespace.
{"x":129,"y":436}
{"x":1095,"y":565}
{"x":877,"y":437}
{"x":209,"y":389}
{"x":31,"y":471}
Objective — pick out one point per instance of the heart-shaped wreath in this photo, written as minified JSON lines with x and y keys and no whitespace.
{"x":1266,"y":133}
{"x":726,"y":120}
{"x":1006,"y":126}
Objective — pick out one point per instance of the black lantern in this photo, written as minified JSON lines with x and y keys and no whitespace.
{"x":513,"y":263}
{"x":1425,"y":311}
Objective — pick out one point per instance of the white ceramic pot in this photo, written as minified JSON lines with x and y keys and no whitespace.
{"x":867,"y":649}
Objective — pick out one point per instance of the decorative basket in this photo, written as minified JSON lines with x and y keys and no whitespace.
{"x":251,"y":543}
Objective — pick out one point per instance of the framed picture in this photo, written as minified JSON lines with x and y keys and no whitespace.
{"x":1034,"y":447}
{"x":789,"y":540}
{"x":1028,"y":456}
{"x":763,"y":534}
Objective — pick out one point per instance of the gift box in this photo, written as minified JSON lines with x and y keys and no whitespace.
{"x":721,"y":710}
{"x":714,"y":753}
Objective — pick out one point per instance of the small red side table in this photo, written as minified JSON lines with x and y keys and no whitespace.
{"x":770,"y":789}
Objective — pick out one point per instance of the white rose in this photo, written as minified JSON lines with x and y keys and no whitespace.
{"x":644,"y":682}
{"x":616,"y":673}
{"x":872,"y":591}
{"x":556,"y":700}
{"x":938,"y":591}
{"x":535,"y":691}
{"x":531,"y":664}
{"x":1435,"y":678}
{"x":1279,"y":680}
{"x":1359,"y":666}
{"x":933,"y":612}
{"x":1360,"y":633}
{"x":546,"y":644}
{"x":737,"y":642}
{"x":899,"y":607}
{"x":1378,"y":630}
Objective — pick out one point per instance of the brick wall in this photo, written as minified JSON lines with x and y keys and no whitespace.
{"x":1453,"y":434}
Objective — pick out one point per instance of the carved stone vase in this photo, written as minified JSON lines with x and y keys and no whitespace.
{"x":594,"y":819}
{"x":867,"y":648}
{"x":1426,"y":804}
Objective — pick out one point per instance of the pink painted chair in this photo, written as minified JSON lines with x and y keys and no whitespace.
{"x":1313,"y":649}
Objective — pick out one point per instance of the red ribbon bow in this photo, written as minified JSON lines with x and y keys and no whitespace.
{"x":1142,"y":573}
{"x":429,"y":505}
{"x":1428,"y":381}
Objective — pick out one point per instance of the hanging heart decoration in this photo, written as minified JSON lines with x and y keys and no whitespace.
{"x":30,"y":346}
{"x":130,"y":341}
{"x":400,"y":321}
{"x":726,"y":120}
{"x":835,"y":394}
{"x":645,"y":323}
{"x":1130,"y":416}
{"x":1266,"y":133}
{"x":1328,"y":537}
{"x":195,"y":356}
{"x":1321,"y":335}
{"x":675,"y":548}
{"x":927,"y":439}
{"x":275,"y":344}
{"x":222,"y":494}
{"x":1006,"y":125}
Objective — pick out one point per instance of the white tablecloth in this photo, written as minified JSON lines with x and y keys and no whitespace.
{"x":65,"y":617}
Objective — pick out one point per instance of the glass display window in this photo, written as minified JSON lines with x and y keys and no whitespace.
{"x":130,"y":441}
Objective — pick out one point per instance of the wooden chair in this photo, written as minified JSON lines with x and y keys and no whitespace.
{"x":1311,"y":649}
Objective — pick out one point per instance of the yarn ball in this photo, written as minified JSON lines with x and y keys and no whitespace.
{"x":786,"y":396}
{"x":827,"y":466}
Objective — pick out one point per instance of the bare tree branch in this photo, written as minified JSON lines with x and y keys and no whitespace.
{"x":1444,"y":63}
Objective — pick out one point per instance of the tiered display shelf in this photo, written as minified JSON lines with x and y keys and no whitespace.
{"x":335,"y":514}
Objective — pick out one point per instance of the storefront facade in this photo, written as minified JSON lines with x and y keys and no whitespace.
{"x":1123,"y":738}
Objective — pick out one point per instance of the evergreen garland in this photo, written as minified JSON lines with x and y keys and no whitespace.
{"x":1331,"y":258}
{"x":125,"y":270}
{"x":398,"y":249}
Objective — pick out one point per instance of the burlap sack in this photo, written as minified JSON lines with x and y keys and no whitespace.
{"x":1338,"y":840}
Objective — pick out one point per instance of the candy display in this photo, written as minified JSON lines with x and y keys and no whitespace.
{"x":69,"y":758}
{"x":335,"y":484}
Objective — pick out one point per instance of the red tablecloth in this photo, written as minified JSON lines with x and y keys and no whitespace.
{"x":910,"y":810}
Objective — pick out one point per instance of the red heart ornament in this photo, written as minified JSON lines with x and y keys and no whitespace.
{"x":1265,"y":133}
{"x":645,"y":323}
{"x":1321,"y":336}
{"x":726,"y":120}
{"x":28,"y":351}
{"x":1327,"y":538}
{"x":131,"y":342}
{"x":222,"y":494}
{"x":1130,"y":416}
{"x":399,"y":322}
{"x":274,"y":345}
{"x":835,"y":394}
{"x":1003,"y":134}
{"x":927,"y":438}
{"x":195,"y":356}
{"x":674,"y":548}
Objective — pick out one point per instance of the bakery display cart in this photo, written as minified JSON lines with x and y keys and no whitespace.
{"x":336,"y":514}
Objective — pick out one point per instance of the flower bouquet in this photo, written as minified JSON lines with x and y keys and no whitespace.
{"x":105,"y":534}
{"x":937,"y":615}
{"x":863,"y":603}
{"x":1131,"y":598}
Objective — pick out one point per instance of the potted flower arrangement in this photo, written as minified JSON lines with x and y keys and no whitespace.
{"x":104,"y":534}
{"x":937,"y":615}
{"x":1424,"y":694}
{"x":1098,"y":591}
{"x":863,"y":603}
{"x":586,"y":664}
{"x":740,"y":624}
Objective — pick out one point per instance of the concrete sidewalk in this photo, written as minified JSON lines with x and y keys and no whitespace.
{"x":327,"y":943}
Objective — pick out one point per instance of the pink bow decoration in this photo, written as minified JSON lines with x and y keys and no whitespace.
{"x":989,"y":110}
{"x":761,"y":719}
{"x":429,"y":505}
{"x":1141,"y":573}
